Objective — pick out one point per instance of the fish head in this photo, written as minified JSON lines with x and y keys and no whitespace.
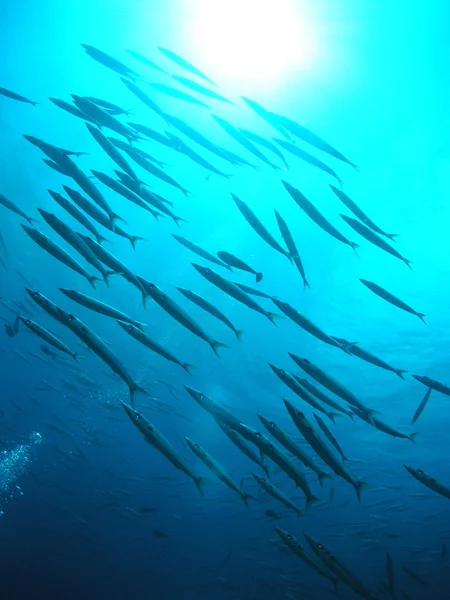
{"x":423,"y":379}
{"x":277,"y":370}
{"x":127,"y":326}
{"x":259,"y":478}
{"x":196,"y":449}
{"x":294,"y":412}
{"x":69,"y":293}
{"x":201,"y":269}
{"x":420,"y":475}
{"x":198,"y":396}
{"x":287,"y":538}
{"x":317,"y":547}
{"x":269,"y":425}
{"x":26,"y":322}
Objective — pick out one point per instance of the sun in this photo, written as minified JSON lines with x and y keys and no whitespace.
{"x":257,"y":42}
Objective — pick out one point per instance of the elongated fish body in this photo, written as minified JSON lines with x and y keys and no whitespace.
{"x":162,"y":444}
{"x":103,"y":117}
{"x":384,"y":427}
{"x":121,"y":189}
{"x":311,"y":389}
{"x":210,"y":308}
{"x":242,"y":445}
{"x":132,"y":151}
{"x":306,"y":324}
{"x":180,"y":315}
{"x":429,"y":481}
{"x":276,"y":493}
{"x":268,"y":116}
{"x":433,"y":384}
{"x":72,"y":170}
{"x":296,"y":548}
{"x":108,"y":61}
{"x":174,"y":93}
{"x":414,"y":576}
{"x":146,"y":340}
{"x":379,"y":291}
{"x":15,"y":209}
{"x":201,"y":89}
{"x":359,"y":213}
{"x":330,"y":437}
{"x":372,"y":237}
{"x":243,"y":140}
{"x":109,"y":106}
{"x":292,"y":248}
{"x":143,"y":97}
{"x":181,"y":62}
{"x":279,"y":458}
{"x":57,"y":252}
{"x":253,"y":291}
{"x":73,"y":110}
{"x":237,"y":263}
{"x":390,"y":574}
{"x":145,"y":61}
{"x":100,"y":307}
{"x":74,"y":240}
{"x":422,"y":405}
{"x":338,"y":568}
{"x":50,"y":308}
{"x":232,"y":290}
{"x":180,"y":146}
{"x":309,"y":158}
{"x":111,"y":151}
{"x":74,"y":212}
{"x":356,"y":350}
{"x":215,"y":409}
{"x":316,"y":216}
{"x":15,"y":96}
{"x":98,"y":215}
{"x":320,"y":448}
{"x":328,"y":382}
{"x":48,"y":337}
{"x":256,"y":224}
{"x":294,"y":386}
{"x":254,"y":137}
{"x":200,"y":251}
{"x":216,"y":468}
{"x":288,"y":442}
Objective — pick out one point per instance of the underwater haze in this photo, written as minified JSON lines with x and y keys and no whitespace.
{"x":165,"y":432}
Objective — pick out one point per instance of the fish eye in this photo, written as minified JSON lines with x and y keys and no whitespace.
{"x":83,"y":329}
{"x":289,"y":537}
{"x":420,"y":472}
{"x":258,"y":435}
{"x":321,"y":546}
{"x":201,"y":396}
{"x":137,"y":415}
{"x":263,"y":479}
{"x":149,"y":427}
{"x":196,"y":446}
{"x":272,"y":424}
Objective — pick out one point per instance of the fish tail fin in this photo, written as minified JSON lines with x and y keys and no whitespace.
{"x":273,"y":317}
{"x":354,"y":246}
{"x":351,"y":415}
{"x":323,"y":476}
{"x":413,"y":436}
{"x":259,"y":276}
{"x":408,"y":263}
{"x":187,"y":367}
{"x":311,"y":499}
{"x":392,"y":236}
{"x":215,"y":345}
{"x":114,"y":218}
{"x":133,"y":239}
{"x":106,"y":276}
{"x":34,"y":103}
{"x":400,"y":372}
{"x":332,"y":417}
{"x":199,"y":483}
{"x":238,"y":333}
{"x":335,"y":583}
{"x":134,"y":389}
{"x":359,"y":487}
{"x":421,"y":317}
{"x":31,"y":220}
{"x":144,"y":299}
{"x":92,"y":280}
{"x":101,"y":239}
{"x":306,"y":284}
{"x":265,"y":468}
{"x":246,"y":498}
{"x":178,"y":219}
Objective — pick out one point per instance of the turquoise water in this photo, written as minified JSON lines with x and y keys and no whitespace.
{"x":82,"y":506}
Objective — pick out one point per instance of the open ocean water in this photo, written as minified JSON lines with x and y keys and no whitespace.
{"x":94,"y":502}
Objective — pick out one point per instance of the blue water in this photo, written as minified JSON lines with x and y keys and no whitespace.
{"x":75,"y":472}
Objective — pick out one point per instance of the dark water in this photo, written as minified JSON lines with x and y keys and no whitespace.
{"x":89,"y":509}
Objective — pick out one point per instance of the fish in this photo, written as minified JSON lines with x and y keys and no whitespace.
{"x":145,"y":61}
{"x":360,"y":214}
{"x":215,"y":467}
{"x":201,"y":89}
{"x":260,"y":229}
{"x":74,"y":240}
{"x":307,"y":325}
{"x":331,"y":384}
{"x":73,"y":110}
{"x":317,"y":216}
{"x":384,"y":427}
{"x":143,"y":97}
{"x":374,"y":239}
{"x":146,"y":340}
{"x":180,"y":315}
{"x":233,"y":290}
{"x":57,"y":252}
{"x":309,"y":158}
{"x":183,"y":148}
{"x":276,"y":493}
{"x":312,"y":390}
{"x":108,"y":61}
{"x":292,"y":248}
{"x":200,"y":251}
{"x":174,"y":93}
{"x":100,"y":307}
{"x":294,"y":546}
{"x":327,"y":433}
{"x":215,"y":409}
{"x":111,"y":151}
{"x":433,"y":384}
{"x":181,"y":62}
{"x":320,"y":448}
{"x":161,"y":534}
{"x":422,"y":405}
{"x":133,"y":152}
{"x":383,"y":293}
{"x":72,"y":170}
{"x":390,"y":574}
{"x":413,"y":574}
{"x":15,"y":96}
{"x":103,"y":117}
{"x":211,"y":309}
{"x":356,"y":350}
{"x":99,"y":216}
{"x":429,"y":481}
{"x":21,"y":356}
{"x":109,"y":106}
{"x":74,"y":212}
{"x":254,"y":137}
{"x":242,"y":445}
{"x":153,"y":436}
{"x":291,"y":446}
{"x":443,"y":553}
{"x":4,"y":201}
{"x":115,"y":265}
{"x":49,"y":337}
{"x":235,"y":262}
{"x":267,"y":115}
{"x":253,"y":291}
